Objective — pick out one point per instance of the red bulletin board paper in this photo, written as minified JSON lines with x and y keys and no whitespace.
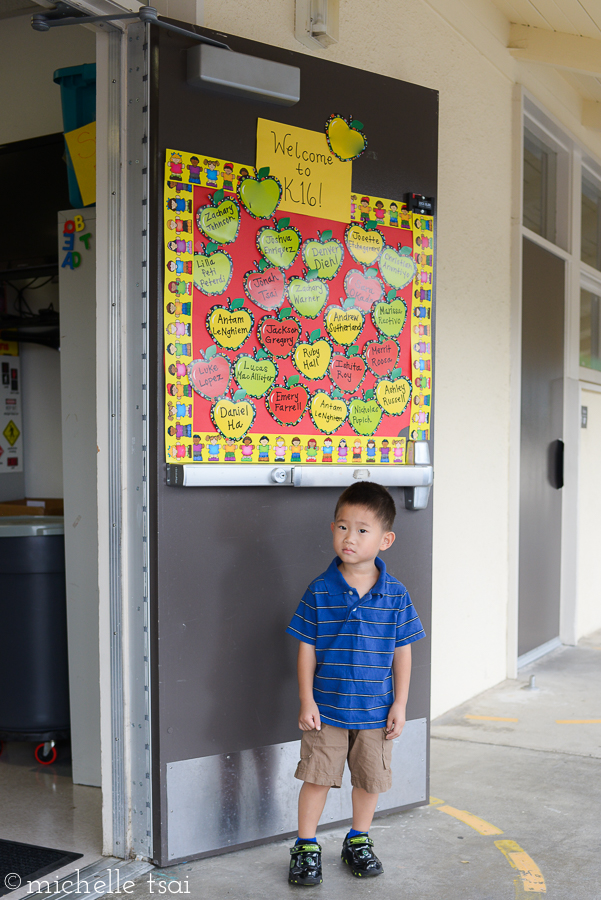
{"x":244,"y":254}
{"x":191,"y":431}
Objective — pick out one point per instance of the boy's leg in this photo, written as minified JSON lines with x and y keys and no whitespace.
{"x":311,"y":801}
{"x":364,"y":807}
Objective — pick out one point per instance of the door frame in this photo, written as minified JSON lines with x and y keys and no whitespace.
{"x":528,"y":112}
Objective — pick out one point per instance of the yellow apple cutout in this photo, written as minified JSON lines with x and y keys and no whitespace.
{"x":327,"y":412}
{"x":344,"y":323}
{"x":365,"y":244}
{"x":233,"y":418}
{"x":230,"y":327}
{"x":394,"y":393}
{"x":313,"y":358}
{"x":344,"y":138}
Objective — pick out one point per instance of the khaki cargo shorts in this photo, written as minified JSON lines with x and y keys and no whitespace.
{"x":368,"y":753}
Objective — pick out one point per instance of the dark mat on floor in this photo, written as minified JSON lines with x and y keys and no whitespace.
{"x":20,"y":863}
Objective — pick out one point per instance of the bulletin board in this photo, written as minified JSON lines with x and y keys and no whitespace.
{"x":296,"y":313}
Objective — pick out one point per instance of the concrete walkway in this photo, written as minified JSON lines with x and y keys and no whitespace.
{"x":515,"y":812}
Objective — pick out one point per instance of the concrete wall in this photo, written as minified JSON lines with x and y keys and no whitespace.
{"x":589,"y":518}
{"x":459,"y":48}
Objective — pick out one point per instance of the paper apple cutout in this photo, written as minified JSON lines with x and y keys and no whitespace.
{"x":389,"y":317}
{"x":327,"y":412}
{"x":364,"y":415}
{"x":210,"y":376}
{"x":260,"y":196}
{"x":381,"y":356}
{"x":325,"y":255}
{"x":265,"y":287}
{"x":230,"y":327}
{"x":312,"y":358}
{"x":343,"y":323}
{"x":347,"y":371}
{"x":279,"y":245}
{"x":397,"y":268}
{"x":233,"y":418}
{"x":212,"y":270}
{"x":308,"y":295}
{"x":363,"y":243}
{"x":287,"y":405}
{"x":394,"y":393}
{"x":255,"y":374}
{"x":344,"y":137}
{"x":364,"y":287}
{"x":220,"y":222}
{"x":280,"y":335}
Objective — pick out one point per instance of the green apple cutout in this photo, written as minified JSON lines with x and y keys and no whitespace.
{"x":260,"y":196}
{"x":234,"y":417}
{"x":279,"y":245}
{"x":394,"y":393}
{"x":212,"y":270}
{"x":344,"y":323}
{"x":230,"y":327}
{"x":308,"y":295}
{"x":344,"y":137}
{"x":325,"y":254}
{"x":397,"y":268}
{"x":389,"y":317}
{"x":255,"y":374}
{"x":220,"y":221}
{"x":365,"y":415}
{"x":364,"y":243}
{"x":328,"y":411}
{"x":313,"y":358}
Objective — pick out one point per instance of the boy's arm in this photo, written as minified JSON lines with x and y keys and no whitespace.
{"x":309,"y":717}
{"x":401,"y":675}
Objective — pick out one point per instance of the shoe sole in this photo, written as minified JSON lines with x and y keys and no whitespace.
{"x":305,"y":883}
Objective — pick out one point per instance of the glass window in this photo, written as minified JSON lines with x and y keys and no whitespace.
{"x":590,"y":248}
{"x":540,"y":187}
{"x":590,"y":330}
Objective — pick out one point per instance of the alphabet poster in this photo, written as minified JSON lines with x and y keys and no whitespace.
{"x":297,"y":326}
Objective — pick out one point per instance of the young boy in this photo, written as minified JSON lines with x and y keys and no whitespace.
{"x":355,"y":625}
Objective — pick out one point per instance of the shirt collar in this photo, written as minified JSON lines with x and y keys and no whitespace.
{"x":336,"y":584}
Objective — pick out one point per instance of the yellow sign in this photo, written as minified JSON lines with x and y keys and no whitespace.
{"x":9,"y":348}
{"x":11,"y":433}
{"x":82,"y":147}
{"x":314,"y":182}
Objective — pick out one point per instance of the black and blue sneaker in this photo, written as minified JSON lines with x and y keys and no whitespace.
{"x":357,"y":853}
{"x":305,"y":864}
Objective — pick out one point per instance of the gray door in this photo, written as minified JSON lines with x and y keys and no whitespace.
{"x":228,"y":565}
{"x":541,"y":452}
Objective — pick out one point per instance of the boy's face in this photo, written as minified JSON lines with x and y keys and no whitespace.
{"x":359,"y":535}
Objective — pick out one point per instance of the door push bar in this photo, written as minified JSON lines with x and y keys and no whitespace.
{"x":416,"y":479}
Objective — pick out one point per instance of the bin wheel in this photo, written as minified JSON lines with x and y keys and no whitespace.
{"x":45,"y":753}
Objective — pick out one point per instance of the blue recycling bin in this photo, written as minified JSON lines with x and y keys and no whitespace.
{"x":78,"y":101}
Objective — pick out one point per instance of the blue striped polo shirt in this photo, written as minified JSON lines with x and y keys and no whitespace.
{"x":354,"y":643}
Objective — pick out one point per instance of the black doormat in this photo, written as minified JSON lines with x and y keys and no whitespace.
{"x":20,"y":863}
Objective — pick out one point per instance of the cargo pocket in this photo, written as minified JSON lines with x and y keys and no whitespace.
{"x":308,"y":743}
{"x":386,"y":751}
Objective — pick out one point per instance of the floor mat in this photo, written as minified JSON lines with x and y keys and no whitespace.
{"x":20,"y":863}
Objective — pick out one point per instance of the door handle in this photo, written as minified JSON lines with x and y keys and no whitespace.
{"x":555,"y":464}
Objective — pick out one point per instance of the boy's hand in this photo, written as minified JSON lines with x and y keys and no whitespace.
{"x":309,"y":717}
{"x":396,"y":721}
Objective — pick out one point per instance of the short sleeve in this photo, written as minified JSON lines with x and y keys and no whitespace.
{"x":303,"y":625}
{"x":409,"y":628}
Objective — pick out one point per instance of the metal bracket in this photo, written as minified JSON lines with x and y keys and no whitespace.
{"x":416,"y":479}
{"x":146,"y":14}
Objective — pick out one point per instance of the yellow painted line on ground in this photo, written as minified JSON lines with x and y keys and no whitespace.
{"x":578,"y":721}
{"x":490,"y":718}
{"x":435,"y":800}
{"x":475,"y":822}
{"x":531,"y":875}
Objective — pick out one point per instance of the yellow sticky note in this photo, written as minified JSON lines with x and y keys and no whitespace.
{"x":314,"y":182}
{"x":82,"y":147}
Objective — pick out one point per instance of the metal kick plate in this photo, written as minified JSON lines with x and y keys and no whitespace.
{"x":222,"y":801}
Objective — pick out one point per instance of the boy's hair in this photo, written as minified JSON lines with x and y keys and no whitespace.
{"x":374,"y":497}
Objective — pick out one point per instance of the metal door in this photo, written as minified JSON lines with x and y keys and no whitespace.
{"x":230,"y":564}
{"x":541,"y":453}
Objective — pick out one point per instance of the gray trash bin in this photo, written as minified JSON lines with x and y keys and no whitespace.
{"x":34,"y":680}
